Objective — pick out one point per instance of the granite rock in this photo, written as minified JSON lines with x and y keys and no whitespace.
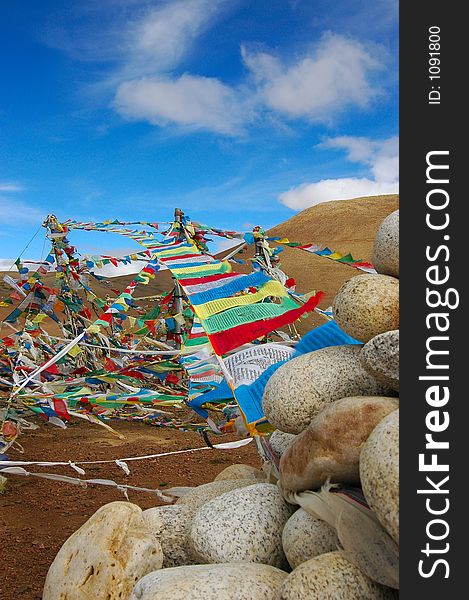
{"x":280,"y":441}
{"x":367,"y":305}
{"x":300,"y":388}
{"x":244,"y":525}
{"x":380,"y":357}
{"x":379,"y":473}
{"x":331,"y":577}
{"x":105,"y":557}
{"x":233,"y":581}
{"x":201,"y":494}
{"x":386,"y":247}
{"x":240,"y":471}
{"x":305,"y":537}
{"x":171,"y":525}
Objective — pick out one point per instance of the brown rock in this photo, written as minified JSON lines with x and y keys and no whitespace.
{"x":330,"y":447}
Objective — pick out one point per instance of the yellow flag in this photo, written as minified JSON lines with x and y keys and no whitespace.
{"x":179,"y":319}
{"x":39,"y":318}
{"x":75,"y":350}
{"x":93,"y":329}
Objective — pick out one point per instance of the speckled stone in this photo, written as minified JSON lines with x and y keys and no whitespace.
{"x":386,"y":247}
{"x":200,"y":495}
{"x":300,"y":388}
{"x":280,"y":441}
{"x":305,"y":537}
{"x":234,"y":581}
{"x":330,"y":447}
{"x":380,"y":357}
{"x":240,"y":471}
{"x":105,"y":557}
{"x":331,"y":577}
{"x":367,"y":305}
{"x":243,"y":525}
{"x":171,"y":525}
{"x":379,"y":473}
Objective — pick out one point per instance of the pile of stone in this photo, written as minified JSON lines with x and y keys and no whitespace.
{"x":246,"y":537}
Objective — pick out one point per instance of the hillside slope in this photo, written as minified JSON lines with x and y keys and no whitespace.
{"x":342,"y":225}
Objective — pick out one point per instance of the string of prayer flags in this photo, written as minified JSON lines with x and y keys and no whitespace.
{"x":327,"y":253}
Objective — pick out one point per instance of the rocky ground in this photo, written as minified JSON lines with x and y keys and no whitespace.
{"x":37,"y":516}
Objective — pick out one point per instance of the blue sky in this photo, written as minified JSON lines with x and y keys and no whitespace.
{"x":239,"y":112}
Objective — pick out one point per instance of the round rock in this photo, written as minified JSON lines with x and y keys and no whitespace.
{"x":380,"y":357}
{"x":240,"y":471}
{"x":280,"y":441}
{"x":105,"y":557}
{"x":305,"y":537}
{"x":330,"y":446}
{"x":300,"y":388}
{"x":244,"y":525}
{"x":201,"y":494}
{"x":386,"y":247}
{"x":234,"y":581}
{"x":367,"y":305}
{"x":379,"y":473}
{"x":331,"y":577}
{"x":171,"y":526}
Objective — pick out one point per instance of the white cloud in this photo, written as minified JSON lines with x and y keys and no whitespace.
{"x":145,"y":44}
{"x":198,"y":103}
{"x":7,"y":264}
{"x":15,"y":212}
{"x":136,"y":38}
{"x":10,"y":186}
{"x":335,"y":76}
{"x":381,"y":158}
{"x":140,"y":37}
{"x":223,"y":244}
{"x":316,"y":87}
{"x":129,"y":269}
{"x":309,"y":194}
{"x":162,"y":37}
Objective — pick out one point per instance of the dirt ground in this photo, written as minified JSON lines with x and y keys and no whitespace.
{"x":37,"y":515}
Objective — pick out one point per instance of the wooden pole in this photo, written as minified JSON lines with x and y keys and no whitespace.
{"x":178,"y":305}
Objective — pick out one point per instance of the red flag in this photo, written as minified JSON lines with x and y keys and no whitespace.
{"x":61,"y":408}
{"x":110,"y":365}
{"x":85,"y":312}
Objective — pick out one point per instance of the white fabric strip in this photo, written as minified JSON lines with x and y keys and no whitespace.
{"x":23,"y":463}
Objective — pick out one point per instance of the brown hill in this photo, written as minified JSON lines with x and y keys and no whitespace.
{"x":342,"y":225}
